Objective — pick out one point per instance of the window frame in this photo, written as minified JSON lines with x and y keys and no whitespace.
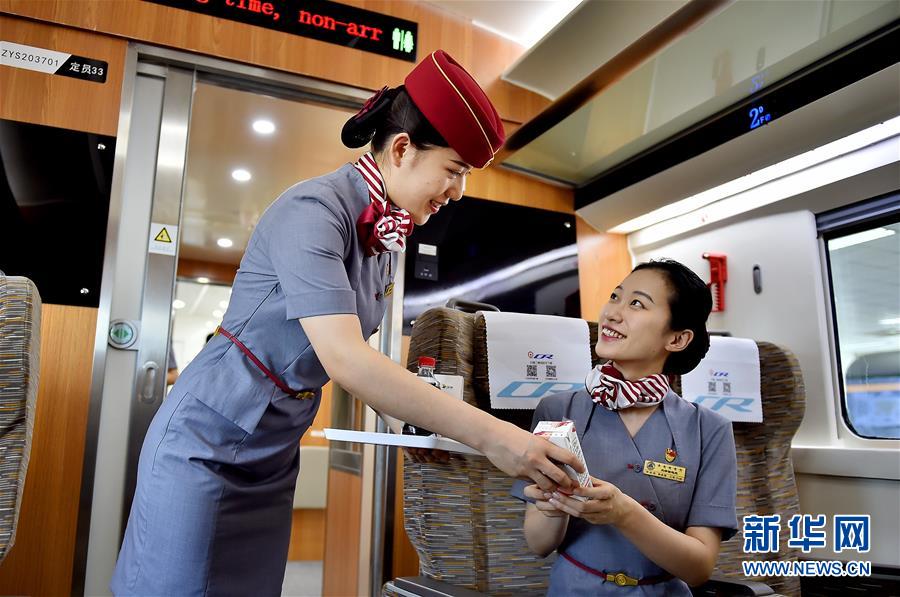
{"x":838,"y":223}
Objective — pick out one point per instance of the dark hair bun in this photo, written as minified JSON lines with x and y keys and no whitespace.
{"x":360,"y":128}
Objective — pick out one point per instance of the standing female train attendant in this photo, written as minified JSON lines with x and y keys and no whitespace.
{"x":663,"y":494}
{"x":212,"y":509}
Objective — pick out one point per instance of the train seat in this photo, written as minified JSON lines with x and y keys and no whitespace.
{"x":20,"y":343}
{"x":766,"y":483}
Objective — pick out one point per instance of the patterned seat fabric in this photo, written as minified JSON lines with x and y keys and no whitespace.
{"x":20,"y":316}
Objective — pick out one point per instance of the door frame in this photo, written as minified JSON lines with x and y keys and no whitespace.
{"x":147,"y":60}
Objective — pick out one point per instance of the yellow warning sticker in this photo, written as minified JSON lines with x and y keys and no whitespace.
{"x":163,"y":238}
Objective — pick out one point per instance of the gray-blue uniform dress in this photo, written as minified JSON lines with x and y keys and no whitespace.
{"x":704,"y":446}
{"x":212,"y":510}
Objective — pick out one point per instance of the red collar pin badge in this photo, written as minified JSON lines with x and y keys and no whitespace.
{"x":670,"y":454}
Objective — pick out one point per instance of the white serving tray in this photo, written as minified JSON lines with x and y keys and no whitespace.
{"x":405,"y":441}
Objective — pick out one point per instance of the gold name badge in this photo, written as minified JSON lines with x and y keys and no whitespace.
{"x":664,"y":471}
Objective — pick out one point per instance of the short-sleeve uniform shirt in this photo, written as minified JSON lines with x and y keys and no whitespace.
{"x":703,"y":444}
{"x":304,"y":259}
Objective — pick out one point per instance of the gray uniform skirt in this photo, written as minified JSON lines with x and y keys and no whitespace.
{"x":219,"y":501}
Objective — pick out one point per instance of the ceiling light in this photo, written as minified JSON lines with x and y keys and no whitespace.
{"x":853,"y":163}
{"x":241,"y":175}
{"x":892,"y":321}
{"x":223,"y":304}
{"x":859,"y":238}
{"x":203,"y":280}
{"x":773,"y":173}
{"x":218,"y":313}
{"x":178,"y":304}
{"x":264,"y":127}
{"x":225,"y":242}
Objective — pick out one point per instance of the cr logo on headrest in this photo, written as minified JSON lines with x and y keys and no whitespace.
{"x":727,"y":402}
{"x":536,"y":389}
{"x":533,"y":355}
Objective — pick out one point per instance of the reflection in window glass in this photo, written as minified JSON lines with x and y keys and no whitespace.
{"x":865,"y":275}
{"x":197,"y":311}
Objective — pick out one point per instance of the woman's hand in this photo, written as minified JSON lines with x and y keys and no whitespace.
{"x":422,"y":455}
{"x":606,"y":504}
{"x":541,"y":502}
{"x":521,"y":454}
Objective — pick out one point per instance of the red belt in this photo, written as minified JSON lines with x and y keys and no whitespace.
{"x":619,"y":578}
{"x":301,"y":394}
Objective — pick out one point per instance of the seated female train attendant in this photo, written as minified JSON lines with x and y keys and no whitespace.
{"x":663,"y":494}
{"x":212,"y":509}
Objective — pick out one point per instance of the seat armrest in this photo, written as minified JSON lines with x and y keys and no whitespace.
{"x":422,"y":586}
{"x":718,"y":585}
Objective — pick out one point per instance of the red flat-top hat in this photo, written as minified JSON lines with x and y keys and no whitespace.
{"x":456,"y":107}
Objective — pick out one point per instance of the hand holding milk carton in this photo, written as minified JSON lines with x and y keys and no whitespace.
{"x":562,"y":434}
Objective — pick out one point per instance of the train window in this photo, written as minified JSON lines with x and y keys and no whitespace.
{"x":864,"y":270}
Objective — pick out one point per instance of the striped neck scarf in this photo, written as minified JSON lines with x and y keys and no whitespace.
{"x":607,"y":386}
{"x":382,"y":226}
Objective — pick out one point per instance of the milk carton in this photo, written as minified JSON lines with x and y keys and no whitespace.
{"x":562,"y":434}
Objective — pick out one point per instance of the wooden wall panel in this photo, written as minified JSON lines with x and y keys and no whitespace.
{"x":488,"y":56}
{"x":40,"y":562}
{"x":53,"y":100}
{"x":341,"y":568}
{"x":498,"y":184}
{"x":482,"y":53}
{"x":307,"y":535}
{"x":603,"y":262}
{"x":322,"y":420}
{"x":218,"y":273}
